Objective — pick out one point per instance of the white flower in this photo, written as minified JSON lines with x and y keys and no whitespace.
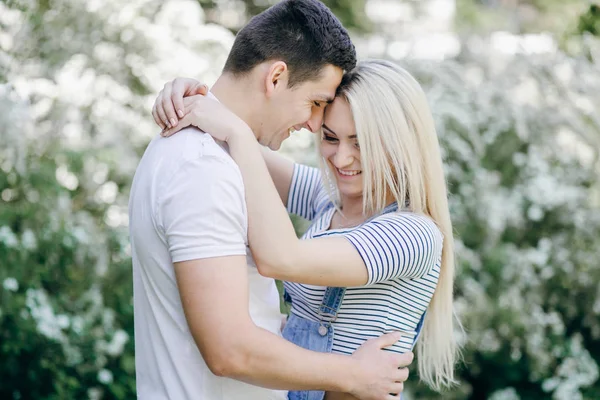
{"x":116,"y":345}
{"x":63,"y":321}
{"x":77,"y":324}
{"x":11,"y":284}
{"x":73,"y":355}
{"x":535,"y":213}
{"x":94,"y":394}
{"x":105,"y":376}
{"x":28,"y":240}
{"x":42,"y":312}
{"x":8,"y":237}
{"x":505,"y":394}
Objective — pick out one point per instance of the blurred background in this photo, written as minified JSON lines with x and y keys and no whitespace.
{"x":515,"y":90}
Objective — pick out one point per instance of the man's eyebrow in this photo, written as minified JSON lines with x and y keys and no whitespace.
{"x":325,"y":98}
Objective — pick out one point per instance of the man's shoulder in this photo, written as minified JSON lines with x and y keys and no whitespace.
{"x":191,"y":143}
{"x":186,"y":160}
{"x":191,"y":147}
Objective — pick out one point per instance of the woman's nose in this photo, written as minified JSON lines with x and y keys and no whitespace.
{"x":343,"y":156}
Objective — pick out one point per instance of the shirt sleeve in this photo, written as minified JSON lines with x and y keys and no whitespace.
{"x":398,"y":245}
{"x":203,"y":210}
{"x":307,"y":194}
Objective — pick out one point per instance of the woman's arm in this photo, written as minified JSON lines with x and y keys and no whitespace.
{"x":329,"y":261}
{"x":391,"y":246}
{"x":281,"y":170}
{"x":383,"y":249}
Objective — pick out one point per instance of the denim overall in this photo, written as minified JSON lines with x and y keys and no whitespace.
{"x":318,"y":336}
{"x":312,"y":335}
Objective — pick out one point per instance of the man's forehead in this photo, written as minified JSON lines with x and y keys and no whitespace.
{"x":324,"y":89}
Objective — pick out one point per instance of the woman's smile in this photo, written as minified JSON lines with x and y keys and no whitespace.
{"x":347,"y":173}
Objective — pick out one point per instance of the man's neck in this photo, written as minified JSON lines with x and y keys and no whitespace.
{"x":239,"y":97}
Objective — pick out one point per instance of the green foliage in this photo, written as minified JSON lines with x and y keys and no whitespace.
{"x":589,"y":21}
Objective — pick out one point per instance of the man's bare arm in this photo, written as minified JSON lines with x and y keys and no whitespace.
{"x":214,"y":295}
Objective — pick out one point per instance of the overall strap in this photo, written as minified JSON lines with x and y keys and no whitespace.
{"x":332,"y":300}
{"x":419,"y":327}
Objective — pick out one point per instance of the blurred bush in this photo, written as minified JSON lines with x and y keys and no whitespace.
{"x":235,"y":13}
{"x":66,"y":313}
{"x":520,"y":135}
{"x":75,"y":117}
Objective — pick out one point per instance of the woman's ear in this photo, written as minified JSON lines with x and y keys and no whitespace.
{"x":277,"y":77}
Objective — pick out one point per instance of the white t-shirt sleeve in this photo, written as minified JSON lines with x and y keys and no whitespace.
{"x":398,"y":245}
{"x":202,"y":210}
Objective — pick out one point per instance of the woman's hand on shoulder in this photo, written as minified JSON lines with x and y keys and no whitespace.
{"x":169,"y":106}
{"x":210,"y":116}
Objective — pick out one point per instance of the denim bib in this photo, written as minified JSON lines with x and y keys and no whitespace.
{"x":318,"y":336}
{"x":313,"y":335}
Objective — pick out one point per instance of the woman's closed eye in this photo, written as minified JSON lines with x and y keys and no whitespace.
{"x":329,"y":138}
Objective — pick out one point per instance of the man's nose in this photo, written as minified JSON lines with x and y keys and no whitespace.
{"x":316,"y":121}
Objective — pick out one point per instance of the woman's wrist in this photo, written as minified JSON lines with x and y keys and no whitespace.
{"x":241,"y":135}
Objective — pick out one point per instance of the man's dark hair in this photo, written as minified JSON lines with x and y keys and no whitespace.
{"x":303,"y":33}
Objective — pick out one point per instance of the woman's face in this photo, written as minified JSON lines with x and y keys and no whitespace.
{"x":339,"y":148}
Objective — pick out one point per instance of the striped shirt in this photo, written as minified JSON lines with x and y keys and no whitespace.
{"x":402,"y":252}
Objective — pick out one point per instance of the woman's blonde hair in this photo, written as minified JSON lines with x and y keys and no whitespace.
{"x":400,"y":157}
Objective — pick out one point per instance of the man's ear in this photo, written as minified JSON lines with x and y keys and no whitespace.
{"x":277,"y":77}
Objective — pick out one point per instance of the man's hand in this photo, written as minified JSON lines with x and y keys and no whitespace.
{"x":383,"y":372}
{"x":168,"y":107}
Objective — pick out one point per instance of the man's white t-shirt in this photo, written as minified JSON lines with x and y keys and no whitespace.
{"x":187,"y":202}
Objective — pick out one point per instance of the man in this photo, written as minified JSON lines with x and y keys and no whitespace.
{"x":202,"y":314}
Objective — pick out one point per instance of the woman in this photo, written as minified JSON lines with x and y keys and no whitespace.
{"x":378,"y":256}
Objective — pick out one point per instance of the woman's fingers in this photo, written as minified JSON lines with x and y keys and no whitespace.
{"x":177,"y":96}
{"x":184,"y":122}
{"x":168,"y":110}
{"x":156,"y":117}
{"x":170,"y":104}
{"x":192,"y":112}
{"x":161,"y":115}
{"x":181,"y":89}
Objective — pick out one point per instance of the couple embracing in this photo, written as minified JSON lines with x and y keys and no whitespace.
{"x":371,"y":278}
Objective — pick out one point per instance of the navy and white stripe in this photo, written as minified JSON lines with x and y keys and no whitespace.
{"x":402,"y":253}
{"x":307,"y":195}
